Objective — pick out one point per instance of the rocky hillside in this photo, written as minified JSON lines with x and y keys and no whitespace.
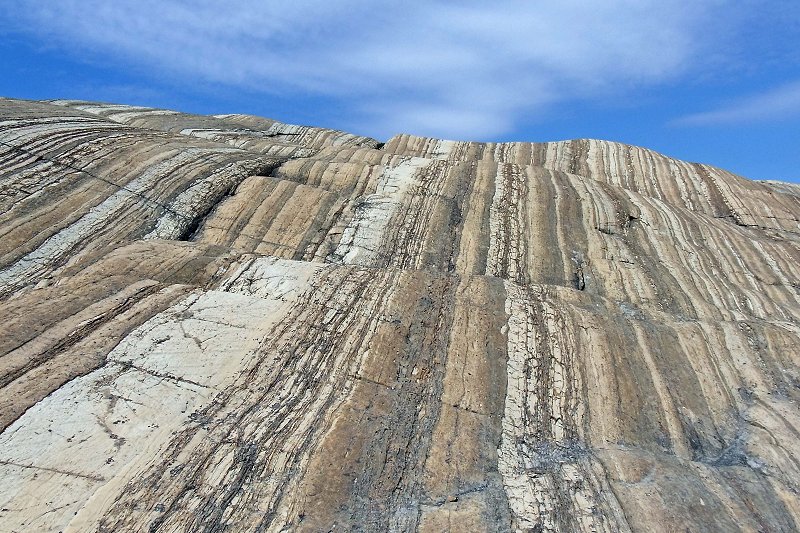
{"x":226,"y":323}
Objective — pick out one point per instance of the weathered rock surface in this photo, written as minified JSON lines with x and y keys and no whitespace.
{"x":231,"y":324}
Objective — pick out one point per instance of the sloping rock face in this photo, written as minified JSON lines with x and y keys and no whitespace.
{"x":226,"y":323}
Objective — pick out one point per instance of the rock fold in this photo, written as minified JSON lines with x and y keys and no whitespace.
{"x":226,"y":323}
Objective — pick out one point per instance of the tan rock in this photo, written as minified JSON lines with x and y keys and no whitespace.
{"x":229,"y":323}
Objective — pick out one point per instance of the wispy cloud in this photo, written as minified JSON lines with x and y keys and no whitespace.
{"x":776,"y":104}
{"x":453,"y":69}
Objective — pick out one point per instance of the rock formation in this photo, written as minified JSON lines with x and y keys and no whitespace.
{"x":226,"y":323}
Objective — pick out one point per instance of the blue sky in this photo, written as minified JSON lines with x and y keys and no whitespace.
{"x":707,"y":80}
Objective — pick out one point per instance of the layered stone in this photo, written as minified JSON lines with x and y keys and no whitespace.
{"x":228,"y":323}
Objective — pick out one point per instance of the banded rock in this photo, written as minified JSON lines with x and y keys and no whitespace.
{"x":227,"y":323}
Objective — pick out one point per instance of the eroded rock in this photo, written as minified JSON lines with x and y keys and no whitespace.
{"x":229,"y":323}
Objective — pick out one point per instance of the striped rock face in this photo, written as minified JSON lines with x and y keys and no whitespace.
{"x":225,"y":323}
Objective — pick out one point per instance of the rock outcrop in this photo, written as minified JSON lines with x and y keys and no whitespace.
{"x":226,"y":323}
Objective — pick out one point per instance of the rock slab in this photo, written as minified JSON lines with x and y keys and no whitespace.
{"x":226,"y":323}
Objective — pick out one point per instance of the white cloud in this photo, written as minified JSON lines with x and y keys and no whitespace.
{"x":776,"y":104}
{"x":455,"y":69}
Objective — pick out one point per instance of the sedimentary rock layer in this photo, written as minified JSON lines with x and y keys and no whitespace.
{"x":228,"y":323}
